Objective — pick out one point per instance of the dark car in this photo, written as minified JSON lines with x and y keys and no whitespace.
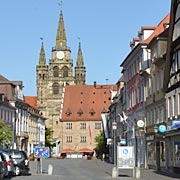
{"x":3,"y":166}
{"x":20,"y":161}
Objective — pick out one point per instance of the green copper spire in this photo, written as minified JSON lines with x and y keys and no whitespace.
{"x":61,"y":34}
{"x":80,"y":61}
{"x":42,"y":58}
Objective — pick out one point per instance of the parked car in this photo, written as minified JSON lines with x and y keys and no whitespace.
{"x":10,"y":165}
{"x":20,"y":161}
{"x":3,"y":166}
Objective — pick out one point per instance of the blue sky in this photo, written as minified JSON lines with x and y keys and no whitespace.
{"x":105,"y":29}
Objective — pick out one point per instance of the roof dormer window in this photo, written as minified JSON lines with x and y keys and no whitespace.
{"x":80,"y":112}
{"x":92,"y":112}
{"x":68,"y":112}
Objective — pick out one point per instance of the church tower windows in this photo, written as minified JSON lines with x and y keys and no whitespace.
{"x":65,"y":71}
{"x":56,"y":71}
{"x":55,"y":88}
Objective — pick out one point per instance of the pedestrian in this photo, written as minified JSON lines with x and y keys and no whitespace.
{"x":103,"y":156}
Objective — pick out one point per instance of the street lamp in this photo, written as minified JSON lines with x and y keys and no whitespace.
{"x":114,"y":170}
{"x":114,"y":127}
{"x":39,"y":130}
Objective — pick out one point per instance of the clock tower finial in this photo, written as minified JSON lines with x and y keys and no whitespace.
{"x":42,"y":58}
{"x":61,"y":33}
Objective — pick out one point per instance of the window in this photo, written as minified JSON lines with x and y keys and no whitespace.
{"x":69,"y":139}
{"x":68,"y":112}
{"x":92,"y":112}
{"x":65,"y":71}
{"x":82,"y":125}
{"x":55,"y":88}
{"x":97,"y":125}
{"x":56,"y":71}
{"x":176,"y":32}
{"x":178,"y":107}
{"x":83,"y":139}
{"x":69,"y":126}
{"x":169,"y":107}
{"x":80,"y":112}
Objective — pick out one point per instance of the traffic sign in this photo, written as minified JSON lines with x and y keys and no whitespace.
{"x":41,"y":152}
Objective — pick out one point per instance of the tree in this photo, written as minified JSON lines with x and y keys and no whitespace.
{"x":5,"y":134}
{"x":101,"y":143}
{"x":48,"y":138}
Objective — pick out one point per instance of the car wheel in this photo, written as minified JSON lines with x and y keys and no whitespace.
{"x":17,"y":171}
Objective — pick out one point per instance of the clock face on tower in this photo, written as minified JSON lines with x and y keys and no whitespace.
{"x":60,"y":55}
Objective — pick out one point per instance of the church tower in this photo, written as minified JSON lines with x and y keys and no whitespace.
{"x":52,"y":78}
{"x":41,"y":80}
{"x":80,"y":69}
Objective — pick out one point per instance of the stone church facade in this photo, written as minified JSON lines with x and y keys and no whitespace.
{"x":52,"y":78}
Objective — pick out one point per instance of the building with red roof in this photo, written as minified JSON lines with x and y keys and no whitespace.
{"x":80,"y":119}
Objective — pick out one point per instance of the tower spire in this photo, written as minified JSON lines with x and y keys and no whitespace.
{"x":80,"y":61}
{"x":42,"y":58}
{"x":80,"y":69}
{"x":61,"y":33}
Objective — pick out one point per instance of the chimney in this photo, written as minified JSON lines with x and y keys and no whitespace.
{"x":94,"y":83}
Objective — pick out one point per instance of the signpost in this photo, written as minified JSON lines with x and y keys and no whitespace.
{"x":125,"y":157}
{"x":41,"y":152}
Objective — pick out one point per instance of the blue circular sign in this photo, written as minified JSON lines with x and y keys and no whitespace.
{"x":125,"y":151}
{"x":162,"y":128}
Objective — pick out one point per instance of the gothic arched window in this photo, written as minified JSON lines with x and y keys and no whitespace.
{"x":55,"y":71}
{"x":55,"y":88}
{"x":65,"y":71}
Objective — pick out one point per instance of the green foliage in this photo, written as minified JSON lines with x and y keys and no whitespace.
{"x":101,"y":143}
{"x":5,"y":134}
{"x":48,"y":138}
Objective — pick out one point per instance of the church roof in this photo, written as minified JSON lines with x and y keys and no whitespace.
{"x":86,"y":102}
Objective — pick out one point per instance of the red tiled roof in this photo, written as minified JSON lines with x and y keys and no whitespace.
{"x":159,"y":29}
{"x":86,"y":98}
{"x":31,"y":100}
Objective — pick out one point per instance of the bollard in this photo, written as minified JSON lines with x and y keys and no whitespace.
{"x":136,"y":173}
{"x":50,"y":169}
{"x":114,"y":172}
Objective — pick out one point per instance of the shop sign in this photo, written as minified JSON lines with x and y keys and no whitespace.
{"x":109,"y":141}
{"x":162,"y":128}
{"x":175,"y":124}
{"x":122,"y":142}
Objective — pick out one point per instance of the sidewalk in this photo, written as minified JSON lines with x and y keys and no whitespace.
{"x":148,"y":174}
{"x":145,"y":174}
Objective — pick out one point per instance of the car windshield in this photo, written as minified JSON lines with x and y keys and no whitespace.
{"x":16,"y":155}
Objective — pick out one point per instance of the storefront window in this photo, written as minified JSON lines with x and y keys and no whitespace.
{"x":177,"y":151}
{"x":151,"y":151}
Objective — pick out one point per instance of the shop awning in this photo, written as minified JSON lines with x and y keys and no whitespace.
{"x":85,"y":150}
{"x":68,"y":150}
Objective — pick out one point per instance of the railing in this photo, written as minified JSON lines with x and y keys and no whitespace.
{"x":60,"y":48}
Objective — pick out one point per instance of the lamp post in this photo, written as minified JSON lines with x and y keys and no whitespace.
{"x":39,"y":131}
{"x":4,"y":139}
{"x":114,"y":127}
{"x":114,"y":171}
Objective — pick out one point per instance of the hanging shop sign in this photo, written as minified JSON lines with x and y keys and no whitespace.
{"x":162,"y":128}
{"x":175,"y":124}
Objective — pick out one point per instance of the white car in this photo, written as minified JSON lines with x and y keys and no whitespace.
{"x":10,"y":166}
